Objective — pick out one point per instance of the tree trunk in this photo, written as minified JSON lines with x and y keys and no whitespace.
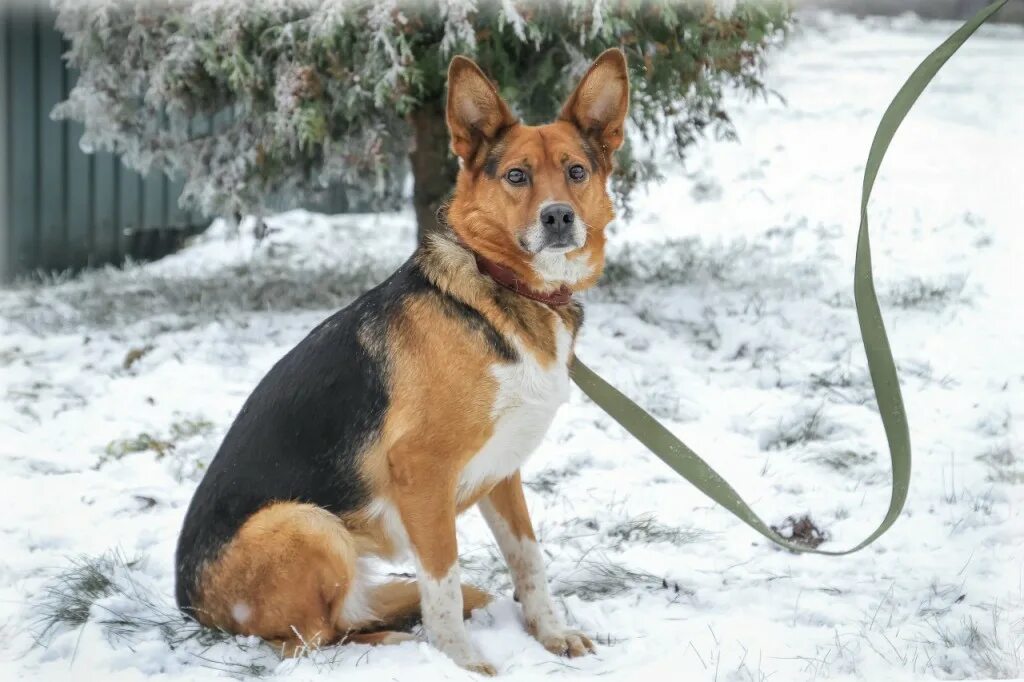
{"x":433,"y":167}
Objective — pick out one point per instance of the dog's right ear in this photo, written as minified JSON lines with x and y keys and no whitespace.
{"x":476,"y":113}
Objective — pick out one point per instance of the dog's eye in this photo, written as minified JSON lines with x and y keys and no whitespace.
{"x":516,"y":176}
{"x":577,"y":172}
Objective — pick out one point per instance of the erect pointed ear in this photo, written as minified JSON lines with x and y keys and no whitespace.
{"x":599,"y":105}
{"x":476,"y":113}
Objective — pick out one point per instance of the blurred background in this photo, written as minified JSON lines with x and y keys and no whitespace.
{"x":131,"y":126}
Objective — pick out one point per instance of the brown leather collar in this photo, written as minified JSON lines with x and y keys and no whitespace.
{"x":502,"y":275}
{"x":508,"y":279}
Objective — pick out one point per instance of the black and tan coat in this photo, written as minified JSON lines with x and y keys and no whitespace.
{"x":421,"y":399}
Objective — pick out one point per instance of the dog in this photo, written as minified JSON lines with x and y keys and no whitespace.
{"x":419,"y":400}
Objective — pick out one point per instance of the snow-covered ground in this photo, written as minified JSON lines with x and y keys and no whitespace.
{"x":727,"y":311}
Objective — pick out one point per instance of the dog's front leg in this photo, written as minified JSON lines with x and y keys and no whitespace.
{"x":506,"y":513}
{"x":428,"y":514}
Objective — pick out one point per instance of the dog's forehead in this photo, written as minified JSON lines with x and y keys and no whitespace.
{"x":553,"y":143}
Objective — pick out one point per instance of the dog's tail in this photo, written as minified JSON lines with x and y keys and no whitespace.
{"x":396,"y":604}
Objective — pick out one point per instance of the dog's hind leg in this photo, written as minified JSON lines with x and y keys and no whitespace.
{"x":396,"y":604}
{"x":290,"y":576}
{"x":379,"y":637}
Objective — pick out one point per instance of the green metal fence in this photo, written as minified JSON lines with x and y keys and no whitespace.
{"x":60,"y":208}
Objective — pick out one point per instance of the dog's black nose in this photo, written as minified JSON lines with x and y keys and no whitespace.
{"x":556,"y":217}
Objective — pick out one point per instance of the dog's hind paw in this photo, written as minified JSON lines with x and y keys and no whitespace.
{"x":481,"y":668}
{"x":571,"y":643}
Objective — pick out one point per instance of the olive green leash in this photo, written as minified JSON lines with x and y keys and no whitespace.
{"x":689,"y":465}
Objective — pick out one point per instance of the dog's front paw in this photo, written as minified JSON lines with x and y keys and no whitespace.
{"x":571,"y":643}
{"x":468,"y":657}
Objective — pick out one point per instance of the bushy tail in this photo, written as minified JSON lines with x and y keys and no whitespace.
{"x":397,"y":603}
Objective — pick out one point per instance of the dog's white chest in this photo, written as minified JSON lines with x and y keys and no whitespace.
{"x":528,"y":396}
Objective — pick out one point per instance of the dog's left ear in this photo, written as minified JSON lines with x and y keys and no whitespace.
{"x":599,"y":105}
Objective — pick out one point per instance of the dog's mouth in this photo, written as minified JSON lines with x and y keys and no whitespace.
{"x":535,"y":240}
{"x":560,"y":247}
{"x":554,"y":248}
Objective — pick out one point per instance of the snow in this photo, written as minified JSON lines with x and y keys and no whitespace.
{"x":727,"y":311}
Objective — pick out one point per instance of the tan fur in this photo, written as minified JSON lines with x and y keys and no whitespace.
{"x":439,"y":417}
{"x":508,"y":500}
{"x":288,"y":568}
{"x":378,"y":637}
{"x":397,"y":603}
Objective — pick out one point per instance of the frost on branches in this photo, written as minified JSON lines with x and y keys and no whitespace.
{"x":259,"y":104}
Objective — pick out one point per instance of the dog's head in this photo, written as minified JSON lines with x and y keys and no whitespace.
{"x":535,"y":198}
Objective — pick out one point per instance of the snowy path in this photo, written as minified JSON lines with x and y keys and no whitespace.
{"x":727,"y":311}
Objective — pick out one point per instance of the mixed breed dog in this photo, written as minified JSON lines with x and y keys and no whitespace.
{"x":419,"y":400}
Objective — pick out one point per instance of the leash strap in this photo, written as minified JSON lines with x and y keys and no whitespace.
{"x":689,"y":465}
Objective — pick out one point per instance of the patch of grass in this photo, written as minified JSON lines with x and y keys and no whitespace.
{"x":805,"y":428}
{"x":161,"y":446}
{"x":600,"y":577}
{"x":928,"y":294}
{"x":646,"y":528}
{"x":190,"y":428}
{"x":29,"y":398}
{"x":104,"y":591}
{"x":996,"y":654}
{"x":143,"y":442}
{"x":1003,"y":465}
{"x":546,"y":482}
{"x":842,"y":383}
{"x":486,"y":568}
{"x":844,"y":460}
{"x":935,"y":641}
{"x":941,"y":599}
{"x":134,"y":355}
{"x":924,"y":371}
{"x":68,"y":600}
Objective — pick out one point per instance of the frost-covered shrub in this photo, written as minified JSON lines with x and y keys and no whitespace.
{"x":307,"y":92}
